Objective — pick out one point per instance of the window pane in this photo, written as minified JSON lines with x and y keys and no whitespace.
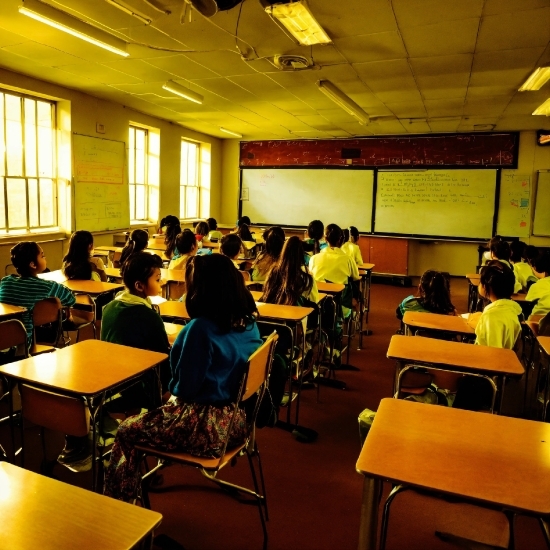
{"x":47,"y":202}
{"x":46,"y":150}
{"x":184,"y":159}
{"x":33,"y":203}
{"x":30,"y":137}
{"x":14,"y":136}
{"x":2,"y":205}
{"x":140,"y":164}
{"x":17,"y":207}
{"x":132,"y":202}
{"x":2,"y":145}
{"x":191,"y":200}
{"x":182,"y":202}
{"x":140,"y":202}
{"x":153,"y":203}
{"x":131,"y":157}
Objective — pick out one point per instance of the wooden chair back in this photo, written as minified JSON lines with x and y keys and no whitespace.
{"x":259,"y":366}
{"x":10,"y":270}
{"x":12,"y":334}
{"x":46,"y":311}
{"x":84,"y":310}
{"x":246,"y":275}
{"x":116,"y":259}
{"x":54,"y":411}
{"x":175,"y":290}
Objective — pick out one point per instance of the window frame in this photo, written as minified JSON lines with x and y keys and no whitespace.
{"x":183,"y":208}
{"x":133,"y":200}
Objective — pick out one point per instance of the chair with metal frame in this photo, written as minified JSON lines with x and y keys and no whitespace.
{"x":10,"y":270}
{"x":46,"y":312}
{"x":83,"y":314}
{"x":175,"y":290}
{"x":254,"y":381}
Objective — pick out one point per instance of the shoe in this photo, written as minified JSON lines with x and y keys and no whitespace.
{"x":76,"y":460}
{"x":84,"y":465}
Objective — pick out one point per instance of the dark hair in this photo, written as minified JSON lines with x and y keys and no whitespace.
{"x":517,"y":251}
{"x":216,"y":290}
{"x":231,"y":245}
{"x":139,"y":267}
{"x":501,"y":250}
{"x":435,"y":293}
{"x":288,"y":280}
{"x":542,"y":263}
{"x":354,"y":232}
{"x":244,"y":233}
{"x":212,"y":224}
{"x":173,"y":229}
{"x":202,"y":229}
{"x":185,"y":241}
{"x":274,"y":238}
{"x":243,"y":220}
{"x":22,"y":255}
{"x":138,"y":241}
{"x":498,"y":279}
{"x":315,"y":231}
{"x":76,"y":263}
{"x":334,"y":235}
{"x":531,"y":254}
{"x":494,"y":240}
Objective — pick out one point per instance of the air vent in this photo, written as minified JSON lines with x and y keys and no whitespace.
{"x":291,"y":63}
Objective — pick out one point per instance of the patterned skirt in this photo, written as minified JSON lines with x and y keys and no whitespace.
{"x":196,"y":429}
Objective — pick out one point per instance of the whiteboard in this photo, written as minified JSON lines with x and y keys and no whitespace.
{"x":101,"y":192}
{"x":514,"y":204}
{"x":446,"y":203}
{"x":297,"y":196}
{"x":541,"y":223}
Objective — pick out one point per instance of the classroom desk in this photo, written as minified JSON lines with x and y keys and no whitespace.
{"x":473,"y":283}
{"x":414,"y":320}
{"x":482,"y":361}
{"x":174,"y":310}
{"x":77,"y":285}
{"x":365,"y":270}
{"x":169,"y":275}
{"x":7,"y":311}
{"x":114,"y":249}
{"x":40,"y":512}
{"x":494,"y":461}
{"x":86,"y":369}
{"x":172,"y":330}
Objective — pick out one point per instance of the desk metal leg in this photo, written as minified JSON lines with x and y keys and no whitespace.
{"x":365,"y":310}
{"x":94,"y":404}
{"x":369,"y":514}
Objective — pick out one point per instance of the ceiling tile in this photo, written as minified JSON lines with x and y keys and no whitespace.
{"x":140,"y":69}
{"x":444,"y":107}
{"x":522,"y":122}
{"x":417,"y":13}
{"x":43,"y":54}
{"x":524,"y":103}
{"x":372,"y":47}
{"x":416,"y":126}
{"x":100,"y":73}
{"x":9,"y":39}
{"x":180,"y":66}
{"x":444,"y":125}
{"x":493,"y":7}
{"x":224,"y":63}
{"x":486,"y":106}
{"x":407,"y":109}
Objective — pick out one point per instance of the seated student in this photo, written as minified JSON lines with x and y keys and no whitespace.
{"x":170,"y":228}
{"x":498,"y":326}
{"x":522,"y":270}
{"x":130,"y":320}
{"x":201,"y":231}
{"x":79,"y":263}
{"x":487,"y":254}
{"x":231,"y":246}
{"x":207,"y":359}
{"x":350,"y":246}
{"x":185,"y":247}
{"x":541,"y":289}
{"x":315,"y":232}
{"x":138,"y":241}
{"x":274,"y":238}
{"x":244,"y":233}
{"x":214,"y":235}
{"x":26,"y":288}
{"x":500,"y":250}
{"x":434,"y":296}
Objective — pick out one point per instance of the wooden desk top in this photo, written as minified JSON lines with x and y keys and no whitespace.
{"x":56,"y":276}
{"x":172,"y":330}
{"x":434,"y":321}
{"x":459,"y":356}
{"x":283,"y":313}
{"x":176,"y":275}
{"x":208,"y":244}
{"x":7,"y":311}
{"x":85,"y":368}
{"x":77,"y":285}
{"x":156,"y":244}
{"x":40,"y":512}
{"x":174,"y":309}
{"x":544,"y":342}
{"x":157,"y":251}
{"x":484,"y":457}
{"x":257,"y":294}
{"x":108,"y":248}
{"x":365,"y":267}
{"x":330,"y":288}
{"x":473,"y":278}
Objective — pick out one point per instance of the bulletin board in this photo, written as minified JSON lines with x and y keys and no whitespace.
{"x":514,"y":204}
{"x":541,"y":222}
{"x":101,"y":192}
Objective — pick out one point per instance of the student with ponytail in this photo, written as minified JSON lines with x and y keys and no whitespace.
{"x":274,"y":238}
{"x":138,"y":241}
{"x":171,"y":228}
{"x":350,"y":246}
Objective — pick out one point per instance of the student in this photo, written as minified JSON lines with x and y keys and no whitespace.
{"x":244,"y":233}
{"x":138,"y":241}
{"x":185,"y":247}
{"x":274,"y":239}
{"x":170,"y":227}
{"x":130,"y":320}
{"x":231,"y":246}
{"x":541,"y":289}
{"x":201,"y":231}
{"x":434,"y":296}
{"x":79,"y":263}
{"x":214,"y":235}
{"x":315,"y":232}
{"x":289,"y":282}
{"x":207,"y":360}
{"x":350,"y":247}
{"x":500,"y":250}
{"x":522,"y":270}
{"x":26,"y":288}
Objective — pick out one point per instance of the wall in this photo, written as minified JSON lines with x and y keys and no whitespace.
{"x":80,"y":113}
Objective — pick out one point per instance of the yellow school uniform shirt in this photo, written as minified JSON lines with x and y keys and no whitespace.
{"x":353,"y":251}
{"x":498,"y":325}
{"x":541,"y":291}
{"x":178,"y":262}
{"x":332,"y":264}
{"x":523,"y":271}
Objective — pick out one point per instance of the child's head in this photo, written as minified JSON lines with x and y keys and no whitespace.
{"x":186,"y":243}
{"x":500,"y":250}
{"x":531,"y":254}
{"x":169,"y":221}
{"x":541,"y":265}
{"x":81,"y":245}
{"x":353,"y":234}
{"x":202,"y":229}
{"x":138,"y":241}
{"x":141,"y":274}
{"x":274,"y":238}
{"x":334,"y":235}
{"x":216,"y":290}
{"x":212,"y":224}
{"x":315,"y":231}
{"x":28,"y":258}
{"x":172,"y":228}
{"x":245,"y":220}
{"x":231,"y":245}
{"x":435,"y":292}
{"x":244,"y":233}
{"x":496,"y":281}
{"x":517,"y":251}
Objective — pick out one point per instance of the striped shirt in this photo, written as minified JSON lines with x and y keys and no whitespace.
{"x":26,"y":291}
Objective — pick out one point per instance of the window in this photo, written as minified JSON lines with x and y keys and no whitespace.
{"x":189,"y":180}
{"x":28,"y":198}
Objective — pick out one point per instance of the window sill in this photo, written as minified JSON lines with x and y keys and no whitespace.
{"x":51,"y":234}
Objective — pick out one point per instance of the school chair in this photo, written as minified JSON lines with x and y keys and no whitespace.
{"x":46,"y":312}
{"x":246,"y":275}
{"x":83,"y":314}
{"x":254,"y":382}
{"x":10,"y":270}
{"x":175,"y":290}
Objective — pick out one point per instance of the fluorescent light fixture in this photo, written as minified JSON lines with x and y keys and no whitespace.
{"x":230,"y":132}
{"x":342,"y":100}
{"x":67,"y":23}
{"x":180,"y":90}
{"x":127,"y":10}
{"x":537,"y":79}
{"x":543,"y":109}
{"x":299,"y":21}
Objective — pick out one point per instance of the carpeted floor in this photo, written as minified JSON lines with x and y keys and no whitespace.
{"x":314,"y":492}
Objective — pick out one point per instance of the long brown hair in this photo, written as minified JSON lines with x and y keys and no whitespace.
{"x":435,"y":292}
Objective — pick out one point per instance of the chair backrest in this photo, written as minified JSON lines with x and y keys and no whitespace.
{"x":12,"y":333}
{"x":246,"y":275}
{"x":84,"y":308}
{"x":54,"y":411}
{"x":175,"y":290}
{"x":259,"y":366}
{"x":10,"y":270}
{"x":46,"y":311}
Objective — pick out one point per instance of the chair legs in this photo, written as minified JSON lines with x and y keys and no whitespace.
{"x":386,"y":515}
{"x":545,"y":531}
